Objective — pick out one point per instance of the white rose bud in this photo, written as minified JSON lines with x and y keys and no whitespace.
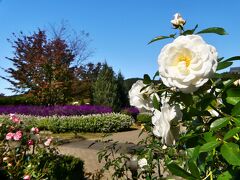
{"x":178,"y":21}
{"x":187,"y":63}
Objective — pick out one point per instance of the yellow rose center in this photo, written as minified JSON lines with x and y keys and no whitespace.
{"x":185,"y":59}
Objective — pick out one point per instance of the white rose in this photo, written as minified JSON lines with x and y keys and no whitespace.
{"x":178,"y":20}
{"x":166,"y":123}
{"x":187,"y":63}
{"x":142,"y":163}
{"x":143,"y":100}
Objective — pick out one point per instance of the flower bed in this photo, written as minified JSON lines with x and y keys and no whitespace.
{"x":110,"y":122}
{"x":67,"y":110}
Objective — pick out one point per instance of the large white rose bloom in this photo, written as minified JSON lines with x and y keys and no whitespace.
{"x":143,"y":100}
{"x":187,"y":63}
{"x":166,"y":123}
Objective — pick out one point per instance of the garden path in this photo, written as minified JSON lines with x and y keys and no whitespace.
{"x":81,"y":149}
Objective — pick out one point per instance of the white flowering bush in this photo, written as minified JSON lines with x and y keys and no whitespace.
{"x":195,"y":109}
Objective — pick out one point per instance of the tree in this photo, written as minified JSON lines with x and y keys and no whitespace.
{"x":85,"y":75}
{"x":42,"y":67}
{"x":109,"y":89}
{"x":122,"y":92}
{"x":105,"y":87}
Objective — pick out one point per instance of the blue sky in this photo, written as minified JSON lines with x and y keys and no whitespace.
{"x":121,"y":29}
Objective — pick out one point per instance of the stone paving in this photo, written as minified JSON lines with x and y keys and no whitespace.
{"x":81,"y":149}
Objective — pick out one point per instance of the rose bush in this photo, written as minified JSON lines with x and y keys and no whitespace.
{"x":195,"y":113}
{"x":25,"y":155}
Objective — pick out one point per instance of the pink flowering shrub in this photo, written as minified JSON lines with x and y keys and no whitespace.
{"x":25,"y":155}
{"x":18,"y":146}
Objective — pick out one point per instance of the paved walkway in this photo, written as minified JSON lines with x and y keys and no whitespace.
{"x":81,"y":149}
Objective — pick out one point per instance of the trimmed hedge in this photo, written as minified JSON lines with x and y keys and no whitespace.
{"x":60,"y":166}
{"x":110,"y":122}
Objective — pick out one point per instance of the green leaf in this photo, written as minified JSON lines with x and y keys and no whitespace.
{"x":209,"y":146}
{"x":215,"y":30}
{"x":233,"y":96}
{"x":220,"y":59}
{"x":233,"y":100}
{"x":146,"y":79}
{"x":236,"y":110}
{"x":191,"y":31}
{"x":161,"y":38}
{"x":231,"y":154}
{"x":156,"y":104}
{"x":193,"y":169}
{"x":231,"y":133}
{"x":223,"y":65}
{"x":225,"y":176}
{"x":155,"y":75}
{"x":219,"y":123}
{"x":234,"y":58}
{"x":178,"y":171}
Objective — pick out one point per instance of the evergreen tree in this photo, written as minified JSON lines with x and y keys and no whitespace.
{"x":122,"y":93}
{"x":105,"y":87}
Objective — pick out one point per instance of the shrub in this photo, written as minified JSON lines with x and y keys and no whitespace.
{"x":144,"y":118}
{"x":25,"y":155}
{"x":67,"y":110}
{"x":110,"y":122}
{"x":132,"y":111}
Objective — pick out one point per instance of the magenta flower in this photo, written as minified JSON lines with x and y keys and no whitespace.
{"x":9,"y":136}
{"x":30,"y":142}
{"x":14,"y":118}
{"x":17,"y":136}
{"x":35,"y":130}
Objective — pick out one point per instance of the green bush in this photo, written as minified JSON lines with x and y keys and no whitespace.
{"x":16,"y":100}
{"x":58,"y":166}
{"x":110,"y":122}
{"x":144,"y":118}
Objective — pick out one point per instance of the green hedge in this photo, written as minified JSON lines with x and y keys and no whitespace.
{"x":60,"y":166}
{"x":110,"y":122}
{"x":144,"y":118}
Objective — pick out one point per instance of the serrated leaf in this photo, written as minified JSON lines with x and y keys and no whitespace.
{"x":219,"y":123}
{"x":223,"y":65}
{"x":225,"y":176}
{"x":231,"y":133}
{"x":193,"y":169}
{"x":236,"y":110}
{"x":209,"y":146}
{"x":156,"y":104}
{"x":230,"y":153}
{"x":178,"y":171}
{"x":161,"y":38}
{"x":215,"y":30}
{"x":146,"y":79}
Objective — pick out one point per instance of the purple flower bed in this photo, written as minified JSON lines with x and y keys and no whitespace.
{"x":67,"y":110}
{"x":133,"y":111}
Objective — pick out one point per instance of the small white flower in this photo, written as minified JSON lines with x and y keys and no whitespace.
{"x":142,"y":163}
{"x":166,"y":123}
{"x":142,"y":99}
{"x":213,"y":112}
{"x":237,"y":82}
{"x":187,"y":63}
{"x":178,"y":20}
